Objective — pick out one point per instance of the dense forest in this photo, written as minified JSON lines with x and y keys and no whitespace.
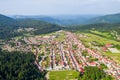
{"x":8,"y":27}
{"x":19,"y":66}
{"x":41,"y":26}
{"x":94,"y":73}
{"x":111,"y":18}
{"x":97,"y":26}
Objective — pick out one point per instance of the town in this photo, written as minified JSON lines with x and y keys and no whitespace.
{"x":63,"y":50}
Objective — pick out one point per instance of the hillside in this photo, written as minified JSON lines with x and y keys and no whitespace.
{"x":8,"y":27}
{"x":67,"y":20}
{"x":42,"y":18}
{"x":112,"y":18}
{"x":111,"y":29}
{"x":44,"y":24}
{"x":64,"y":20}
{"x":97,"y":26}
{"x":40,"y":26}
{"x":4,"y":20}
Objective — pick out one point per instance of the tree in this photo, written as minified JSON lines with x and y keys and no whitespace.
{"x":19,"y":66}
{"x":94,"y":73}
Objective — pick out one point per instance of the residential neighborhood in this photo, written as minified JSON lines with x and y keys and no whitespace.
{"x":63,"y":50}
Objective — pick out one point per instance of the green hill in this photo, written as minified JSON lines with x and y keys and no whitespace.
{"x":98,"y":26}
{"x":113,"y":18}
{"x":5,"y":21}
{"x":8,"y":27}
{"x":40,"y":26}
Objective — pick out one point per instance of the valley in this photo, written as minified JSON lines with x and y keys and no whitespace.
{"x":59,"y":39}
{"x":63,"y":50}
{"x":60,"y":51}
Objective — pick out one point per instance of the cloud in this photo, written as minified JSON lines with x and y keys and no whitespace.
{"x":59,"y":6}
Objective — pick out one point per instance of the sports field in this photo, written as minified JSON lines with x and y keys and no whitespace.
{"x":64,"y":75}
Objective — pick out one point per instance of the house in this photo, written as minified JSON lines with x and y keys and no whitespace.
{"x":92,"y":64}
{"x":104,"y":48}
{"x":108,"y":45}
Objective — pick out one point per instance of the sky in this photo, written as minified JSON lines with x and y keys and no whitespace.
{"x":59,"y":7}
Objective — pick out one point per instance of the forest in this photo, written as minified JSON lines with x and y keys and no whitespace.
{"x":97,"y":26}
{"x":19,"y":66}
{"x":9,"y":27}
{"x":94,"y":73}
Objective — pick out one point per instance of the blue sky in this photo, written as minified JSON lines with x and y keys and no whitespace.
{"x":58,"y":7}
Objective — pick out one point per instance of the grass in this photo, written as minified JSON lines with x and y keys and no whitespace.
{"x":64,"y":75}
{"x":114,"y":56}
{"x":103,"y":34}
{"x":61,"y":37}
{"x":24,"y":35}
{"x":101,"y":41}
{"x":47,"y":34}
{"x":18,"y":37}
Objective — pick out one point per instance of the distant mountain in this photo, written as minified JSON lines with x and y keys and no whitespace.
{"x":68,"y":20}
{"x":6,"y":21}
{"x":59,"y":19}
{"x":113,"y":18}
{"x":41,"y":26}
{"x":96,"y":26}
{"x":8,"y":26}
{"x":42,"y":18}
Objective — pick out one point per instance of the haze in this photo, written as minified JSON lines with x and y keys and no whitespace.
{"x":57,"y":7}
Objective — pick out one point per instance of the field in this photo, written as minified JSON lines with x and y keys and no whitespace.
{"x":64,"y":75}
{"x":114,"y":56}
{"x":98,"y":39}
{"x":101,"y":41}
{"x":60,"y":37}
{"x":108,"y":35}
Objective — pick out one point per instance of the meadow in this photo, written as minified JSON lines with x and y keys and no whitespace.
{"x":64,"y":75}
{"x":100,"y":39}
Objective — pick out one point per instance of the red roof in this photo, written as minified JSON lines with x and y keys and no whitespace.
{"x":61,"y":63}
{"x":92,"y":63}
{"x":108,"y":45}
{"x":104,"y":48}
{"x":81,"y":69}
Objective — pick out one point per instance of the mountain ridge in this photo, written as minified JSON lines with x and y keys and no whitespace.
{"x":9,"y":26}
{"x":111,"y":18}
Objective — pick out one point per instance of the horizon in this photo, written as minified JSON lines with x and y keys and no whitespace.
{"x":55,"y":15}
{"x":63,"y":7}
